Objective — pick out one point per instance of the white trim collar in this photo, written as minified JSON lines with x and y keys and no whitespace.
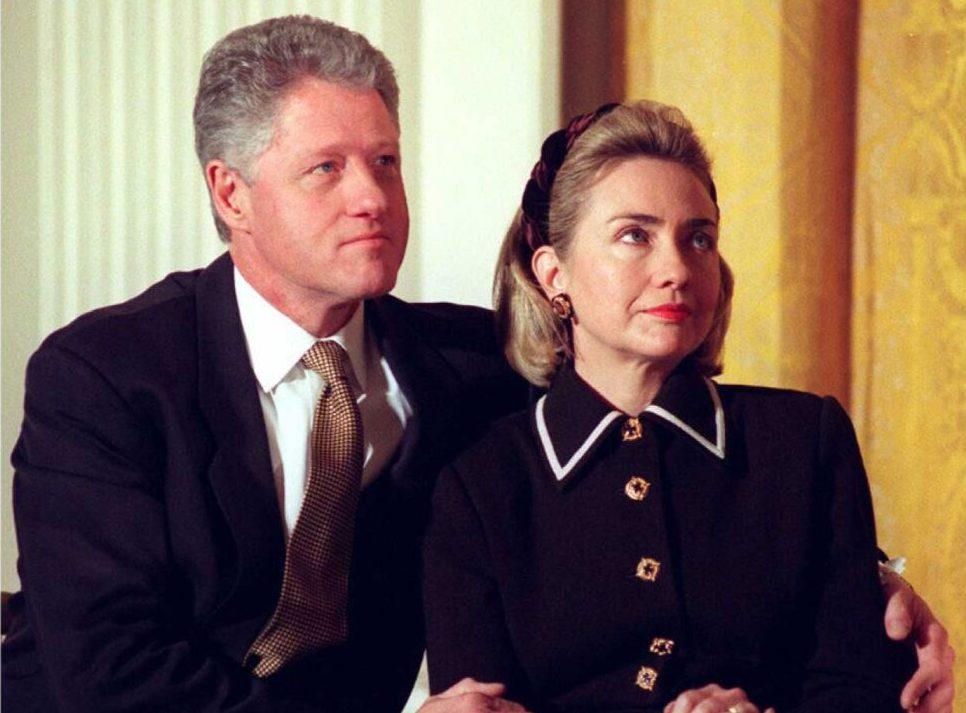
{"x":561,"y":471}
{"x":717,"y":448}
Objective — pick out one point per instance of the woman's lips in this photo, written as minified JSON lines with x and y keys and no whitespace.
{"x":670,"y":312}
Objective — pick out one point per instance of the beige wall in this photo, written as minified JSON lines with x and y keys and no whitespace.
{"x":18,"y":231}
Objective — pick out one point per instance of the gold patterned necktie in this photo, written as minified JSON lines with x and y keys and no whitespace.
{"x":312,"y":609}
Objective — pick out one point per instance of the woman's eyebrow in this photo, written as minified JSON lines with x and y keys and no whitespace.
{"x":647,"y":219}
{"x":637,"y":217}
{"x":701,"y":223}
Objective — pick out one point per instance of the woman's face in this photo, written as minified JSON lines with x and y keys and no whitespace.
{"x":643,"y":270}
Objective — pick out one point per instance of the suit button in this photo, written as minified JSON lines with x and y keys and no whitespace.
{"x":662,"y":647}
{"x":631,"y":430}
{"x":647,"y":569}
{"x":636,"y":488}
{"x":646,"y":678}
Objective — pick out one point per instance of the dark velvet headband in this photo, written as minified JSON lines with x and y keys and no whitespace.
{"x":536,"y":195}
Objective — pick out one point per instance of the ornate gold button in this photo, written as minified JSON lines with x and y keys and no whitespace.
{"x":647,"y":569}
{"x":646,"y":678}
{"x":631,"y":430}
{"x":636,"y":488}
{"x":662,"y":647}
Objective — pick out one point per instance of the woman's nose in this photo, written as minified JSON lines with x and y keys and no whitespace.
{"x":672,"y":269}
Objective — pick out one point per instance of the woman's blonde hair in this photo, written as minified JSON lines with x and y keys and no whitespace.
{"x":536,"y":341}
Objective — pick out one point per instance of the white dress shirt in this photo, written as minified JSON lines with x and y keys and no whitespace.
{"x":289,"y":392}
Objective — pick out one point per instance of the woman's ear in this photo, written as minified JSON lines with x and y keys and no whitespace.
{"x":229,"y":194}
{"x":549,"y":271}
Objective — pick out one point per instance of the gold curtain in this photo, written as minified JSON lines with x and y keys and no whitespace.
{"x":909,"y":304}
{"x":840,"y":150}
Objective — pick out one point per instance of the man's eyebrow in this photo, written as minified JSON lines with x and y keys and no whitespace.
{"x":647,"y":219}
{"x":342,"y":148}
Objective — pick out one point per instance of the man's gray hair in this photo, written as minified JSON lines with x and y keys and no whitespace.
{"x":245,"y":76}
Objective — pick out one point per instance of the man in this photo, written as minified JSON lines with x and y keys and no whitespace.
{"x":222,"y":483}
{"x":164,"y":453}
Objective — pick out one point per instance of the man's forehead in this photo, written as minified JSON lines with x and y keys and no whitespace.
{"x":321,"y":103}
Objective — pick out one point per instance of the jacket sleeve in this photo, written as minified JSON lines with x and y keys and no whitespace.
{"x":853,"y":665}
{"x":466,"y":631}
{"x":104,"y":599}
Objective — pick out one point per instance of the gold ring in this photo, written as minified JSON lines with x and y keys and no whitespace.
{"x":736,"y":708}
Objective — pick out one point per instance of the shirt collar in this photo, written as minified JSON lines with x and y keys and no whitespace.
{"x":572,"y":418}
{"x":276,"y":343}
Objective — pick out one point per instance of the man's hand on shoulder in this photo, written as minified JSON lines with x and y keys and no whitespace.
{"x":470,"y":696}
{"x":907,"y":616}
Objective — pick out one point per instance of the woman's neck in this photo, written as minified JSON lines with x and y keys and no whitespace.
{"x":629,"y":385}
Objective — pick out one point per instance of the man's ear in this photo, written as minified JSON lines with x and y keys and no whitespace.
{"x":230,"y":195}
{"x":549,"y":271}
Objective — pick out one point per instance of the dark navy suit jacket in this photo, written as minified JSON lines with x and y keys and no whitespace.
{"x":151,"y":544}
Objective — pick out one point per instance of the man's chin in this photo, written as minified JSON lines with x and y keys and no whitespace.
{"x":375,"y":285}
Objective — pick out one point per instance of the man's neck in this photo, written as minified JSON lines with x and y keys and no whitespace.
{"x":318,"y":314}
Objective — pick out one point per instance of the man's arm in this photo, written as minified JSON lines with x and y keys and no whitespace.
{"x":852,"y":664}
{"x":907,"y":616}
{"x":111,"y":611}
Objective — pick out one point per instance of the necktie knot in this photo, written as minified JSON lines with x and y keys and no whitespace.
{"x":329,"y":360}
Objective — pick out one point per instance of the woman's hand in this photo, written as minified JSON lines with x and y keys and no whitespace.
{"x":470,"y":696}
{"x":930,"y":690}
{"x":713,"y":699}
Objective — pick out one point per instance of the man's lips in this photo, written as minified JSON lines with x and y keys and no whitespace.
{"x":672,"y":312}
{"x":367,"y":238}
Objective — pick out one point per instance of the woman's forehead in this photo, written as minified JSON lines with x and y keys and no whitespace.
{"x":648,"y":185}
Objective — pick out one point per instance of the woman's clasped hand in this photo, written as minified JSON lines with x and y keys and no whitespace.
{"x":713,"y":699}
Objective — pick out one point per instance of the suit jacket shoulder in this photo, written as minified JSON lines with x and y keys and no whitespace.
{"x":792,"y":403}
{"x":449,"y":358}
{"x":455,"y":331}
{"x":144,"y":314}
{"x":150,"y":338}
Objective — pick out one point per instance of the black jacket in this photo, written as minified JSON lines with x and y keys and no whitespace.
{"x":151,"y":544}
{"x":732,"y":542}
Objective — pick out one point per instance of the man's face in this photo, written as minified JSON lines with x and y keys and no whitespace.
{"x":325,"y":217}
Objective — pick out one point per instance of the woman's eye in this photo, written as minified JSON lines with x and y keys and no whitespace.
{"x":634,"y":236}
{"x":703,"y":241}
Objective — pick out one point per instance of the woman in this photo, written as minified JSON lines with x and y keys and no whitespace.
{"x":643,"y":536}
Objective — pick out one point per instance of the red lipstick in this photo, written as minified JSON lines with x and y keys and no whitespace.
{"x":670,"y":312}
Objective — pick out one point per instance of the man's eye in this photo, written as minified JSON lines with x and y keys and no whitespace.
{"x":634,"y":236}
{"x":387,"y":160}
{"x":325,"y":167}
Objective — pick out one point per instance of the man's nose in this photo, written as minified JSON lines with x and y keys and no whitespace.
{"x":365,"y":193}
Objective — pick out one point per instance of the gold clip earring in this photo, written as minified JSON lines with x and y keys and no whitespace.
{"x":561,"y":306}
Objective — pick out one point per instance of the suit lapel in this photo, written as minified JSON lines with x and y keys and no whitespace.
{"x":240,"y":472}
{"x":427,"y":380}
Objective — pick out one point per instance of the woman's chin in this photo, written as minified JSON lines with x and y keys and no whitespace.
{"x":664,"y":352}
